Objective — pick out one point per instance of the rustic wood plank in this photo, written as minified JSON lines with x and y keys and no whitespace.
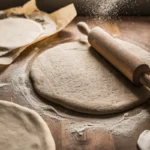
{"x":86,"y":139}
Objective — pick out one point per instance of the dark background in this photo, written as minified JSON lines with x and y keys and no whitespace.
{"x":142,"y":7}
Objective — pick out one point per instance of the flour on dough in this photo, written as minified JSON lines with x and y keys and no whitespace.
{"x":17,"y":32}
{"x":23,"y":129}
{"x":80,"y":79}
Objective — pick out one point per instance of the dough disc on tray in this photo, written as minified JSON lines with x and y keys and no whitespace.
{"x":82,"y":80}
{"x":17,"y":32}
{"x":23,"y":129}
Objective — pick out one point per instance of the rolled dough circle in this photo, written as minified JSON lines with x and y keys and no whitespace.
{"x":78,"y":78}
{"x":17,"y":32}
{"x":23,"y":129}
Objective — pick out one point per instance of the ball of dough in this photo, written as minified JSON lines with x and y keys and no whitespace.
{"x":144,"y":140}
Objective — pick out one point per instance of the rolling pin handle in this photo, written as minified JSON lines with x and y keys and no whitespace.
{"x":83,"y":28}
{"x":145,"y":79}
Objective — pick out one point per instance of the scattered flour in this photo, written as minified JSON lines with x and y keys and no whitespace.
{"x":105,"y":8}
{"x":125,"y":128}
{"x":3,"y":84}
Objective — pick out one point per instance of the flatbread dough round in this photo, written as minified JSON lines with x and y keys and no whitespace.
{"x":82,"y":80}
{"x":17,"y":32}
{"x":23,"y":129}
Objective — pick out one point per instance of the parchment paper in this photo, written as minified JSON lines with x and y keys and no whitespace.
{"x":61,"y":18}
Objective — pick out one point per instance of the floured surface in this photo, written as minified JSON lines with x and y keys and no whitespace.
{"x":125,"y":128}
{"x":17,"y":32}
{"x":82,"y":80}
{"x":23,"y":129}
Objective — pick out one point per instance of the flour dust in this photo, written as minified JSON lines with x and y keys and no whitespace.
{"x":106,"y":8}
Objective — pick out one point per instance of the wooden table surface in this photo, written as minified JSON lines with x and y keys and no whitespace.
{"x":72,"y":130}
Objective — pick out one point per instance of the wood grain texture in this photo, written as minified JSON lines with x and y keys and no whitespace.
{"x":88,"y":139}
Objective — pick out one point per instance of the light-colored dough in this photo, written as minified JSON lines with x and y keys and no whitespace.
{"x":144,"y":140}
{"x":23,"y":129}
{"x":17,"y":32}
{"x":80,"y":79}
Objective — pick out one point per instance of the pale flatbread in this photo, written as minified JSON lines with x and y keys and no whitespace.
{"x":17,"y":32}
{"x":23,"y":129}
{"x":80,"y":79}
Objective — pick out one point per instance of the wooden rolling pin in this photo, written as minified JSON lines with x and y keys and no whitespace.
{"x":122,"y":58}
